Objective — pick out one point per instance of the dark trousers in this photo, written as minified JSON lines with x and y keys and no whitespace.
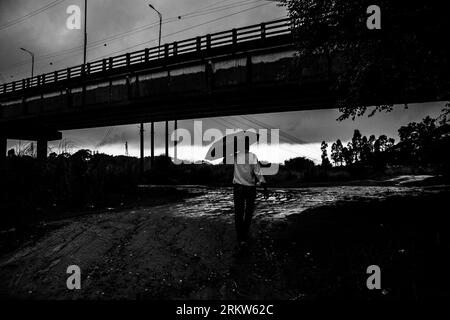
{"x":244,"y":205}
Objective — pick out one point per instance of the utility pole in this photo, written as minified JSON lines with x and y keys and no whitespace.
{"x":32,"y":60}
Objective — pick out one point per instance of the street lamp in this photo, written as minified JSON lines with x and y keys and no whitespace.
{"x":160,"y":26}
{"x":85,"y":35}
{"x":32,"y":60}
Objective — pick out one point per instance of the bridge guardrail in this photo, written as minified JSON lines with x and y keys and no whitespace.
{"x":260,"y":31}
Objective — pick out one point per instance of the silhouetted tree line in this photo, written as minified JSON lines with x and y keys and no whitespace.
{"x":424,"y":143}
{"x":360,"y":150}
{"x":65,"y":182}
{"x":85,"y":181}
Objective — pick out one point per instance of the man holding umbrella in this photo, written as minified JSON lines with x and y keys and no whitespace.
{"x":234,"y":148}
{"x":247,"y":175}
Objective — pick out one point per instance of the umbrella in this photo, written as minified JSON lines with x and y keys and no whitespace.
{"x":228,"y":145}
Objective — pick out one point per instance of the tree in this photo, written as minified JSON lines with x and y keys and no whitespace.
{"x":407,"y":57}
{"x":381,"y":144}
{"x":325,"y":161}
{"x":82,"y":155}
{"x":357,"y":145}
{"x":336,"y":153}
{"x":372,"y":140}
{"x":347,"y":154}
{"x":418,"y":139}
{"x":366,"y":151}
{"x":299,"y":164}
{"x":443,"y":118}
{"x":382,"y":151}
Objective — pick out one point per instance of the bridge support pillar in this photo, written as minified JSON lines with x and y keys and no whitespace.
{"x":167,"y":138}
{"x":175,"y":127}
{"x":141,"y":160}
{"x":152,"y":144}
{"x":42,"y":149}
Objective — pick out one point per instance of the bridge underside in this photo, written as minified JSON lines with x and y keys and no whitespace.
{"x":235,"y":101}
{"x":243,"y":82}
{"x":247,"y":81}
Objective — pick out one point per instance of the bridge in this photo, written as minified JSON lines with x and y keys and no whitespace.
{"x":244,"y":70}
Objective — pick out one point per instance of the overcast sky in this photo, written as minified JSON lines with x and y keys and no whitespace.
{"x":110,"y":23}
{"x":115,"y":27}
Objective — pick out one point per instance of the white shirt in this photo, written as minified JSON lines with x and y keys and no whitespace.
{"x":247,"y":173}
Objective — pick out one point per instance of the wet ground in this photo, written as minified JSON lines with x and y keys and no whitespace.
{"x":306,"y":243}
{"x":284,"y":202}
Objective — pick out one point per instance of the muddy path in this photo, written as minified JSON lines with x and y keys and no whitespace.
{"x":187,"y":249}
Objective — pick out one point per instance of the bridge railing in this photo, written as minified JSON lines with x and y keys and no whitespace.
{"x":231,"y":37}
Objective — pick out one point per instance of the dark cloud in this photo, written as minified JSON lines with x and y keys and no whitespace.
{"x":46,"y":33}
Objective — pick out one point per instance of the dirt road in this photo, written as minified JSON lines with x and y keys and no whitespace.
{"x":188,"y":250}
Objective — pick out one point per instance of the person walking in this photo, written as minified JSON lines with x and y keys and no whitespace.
{"x":247,"y":175}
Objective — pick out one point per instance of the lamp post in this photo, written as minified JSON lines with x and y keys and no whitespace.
{"x":160,"y":26}
{"x":152,"y":128}
{"x":32,"y":60}
{"x":85,"y":34}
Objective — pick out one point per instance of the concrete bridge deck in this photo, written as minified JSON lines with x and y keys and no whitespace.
{"x":246,"y":70}
{"x":239,"y":71}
